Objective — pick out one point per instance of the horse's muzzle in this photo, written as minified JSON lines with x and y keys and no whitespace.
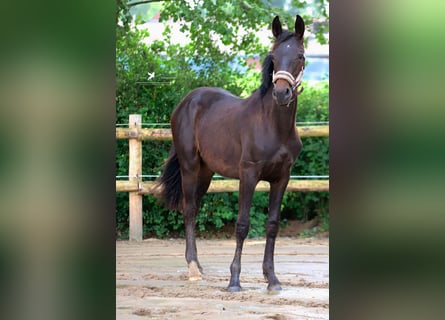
{"x":282,"y":95}
{"x":286,"y":91}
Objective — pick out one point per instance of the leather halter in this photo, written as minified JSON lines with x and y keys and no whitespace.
{"x":294,"y":82}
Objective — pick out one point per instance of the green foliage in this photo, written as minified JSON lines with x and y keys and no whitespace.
{"x":145,"y":11}
{"x":158,"y":221}
{"x":323,"y":226}
{"x":217,"y":210}
{"x":235,"y":22}
{"x":178,"y":70}
{"x":258,"y":215}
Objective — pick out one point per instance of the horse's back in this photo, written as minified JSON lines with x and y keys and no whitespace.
{"x":206,"y":104}
{"x":208,"y":121}
{"x":206,"y":97}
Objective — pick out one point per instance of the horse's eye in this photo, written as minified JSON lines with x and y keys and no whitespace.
{"x":300,"y":56}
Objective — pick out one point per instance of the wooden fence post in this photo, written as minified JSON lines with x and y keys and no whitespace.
{"x":135,"y":172}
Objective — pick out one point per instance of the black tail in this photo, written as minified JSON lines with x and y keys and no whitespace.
{"x":170,"y":183}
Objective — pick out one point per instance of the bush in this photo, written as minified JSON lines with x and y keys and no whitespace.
{"x":156,"y":102}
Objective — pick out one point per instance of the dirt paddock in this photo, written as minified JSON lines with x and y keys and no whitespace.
{"x":151,"y":281}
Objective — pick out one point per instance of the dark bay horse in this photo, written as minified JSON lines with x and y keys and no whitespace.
{"x":248,"y":139}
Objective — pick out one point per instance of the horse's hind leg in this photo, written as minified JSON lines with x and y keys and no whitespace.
{"x":190,"y":209}
{"x":195,"y":182}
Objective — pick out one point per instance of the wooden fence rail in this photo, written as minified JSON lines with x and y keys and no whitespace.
{"x":137,"y":188}
{"x":226,"y":185}
{"x":165,"y":134}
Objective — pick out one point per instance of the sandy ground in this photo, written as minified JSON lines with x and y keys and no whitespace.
{"x":151,"y":281}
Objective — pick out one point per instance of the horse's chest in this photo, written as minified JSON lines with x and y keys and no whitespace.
{"x":276,"y":162}
{"x":281,"y":158}
{"x":279,"y":152}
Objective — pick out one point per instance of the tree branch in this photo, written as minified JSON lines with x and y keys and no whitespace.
{"x":132,"y":4}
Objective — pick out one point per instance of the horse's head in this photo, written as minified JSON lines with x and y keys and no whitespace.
{"x":288,"y":60}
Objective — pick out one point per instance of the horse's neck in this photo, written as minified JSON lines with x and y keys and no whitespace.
{"x":282,"y":117}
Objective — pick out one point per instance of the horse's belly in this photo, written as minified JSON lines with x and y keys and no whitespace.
{"x":219,"y":148}
{"x":224,"y":163}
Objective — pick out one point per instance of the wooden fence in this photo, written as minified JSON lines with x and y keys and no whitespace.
{"x":137,"y":188}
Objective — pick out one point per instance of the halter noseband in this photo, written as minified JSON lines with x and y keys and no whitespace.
{"x":294,"y":82}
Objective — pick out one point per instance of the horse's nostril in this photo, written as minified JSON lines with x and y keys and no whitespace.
{"x":282,"y":94}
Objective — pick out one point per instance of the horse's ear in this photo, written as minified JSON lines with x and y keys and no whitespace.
{"x":276,"y":27}
{"x":299,"y":27}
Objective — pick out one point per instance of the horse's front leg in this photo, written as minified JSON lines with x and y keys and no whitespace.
{"x":275,"y":198}
{"x":246,"y":190}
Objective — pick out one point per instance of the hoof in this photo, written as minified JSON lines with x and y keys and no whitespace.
{"x":234,"y":289}
{"x":194,"y":273}
{"x":274,"y":287}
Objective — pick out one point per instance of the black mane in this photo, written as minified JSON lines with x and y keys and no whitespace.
{"x":266,"y":79}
